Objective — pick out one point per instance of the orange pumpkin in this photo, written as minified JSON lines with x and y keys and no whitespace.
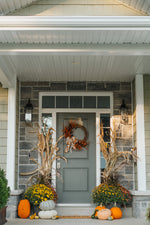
{"x":99,"y":207}
{"x":116,"y":212}
{"x":24,"y":209}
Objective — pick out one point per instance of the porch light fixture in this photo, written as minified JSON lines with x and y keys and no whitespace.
{"x":28,"y":111}
{"x":124,"y":112}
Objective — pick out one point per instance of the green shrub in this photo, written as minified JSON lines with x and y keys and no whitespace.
{"x":107,"y":193}
{"x":4,"y":190}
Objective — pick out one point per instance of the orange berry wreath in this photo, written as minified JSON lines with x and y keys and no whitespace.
{"x":71,"y":141}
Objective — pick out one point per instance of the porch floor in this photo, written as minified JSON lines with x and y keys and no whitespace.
{"x":124,"y":221}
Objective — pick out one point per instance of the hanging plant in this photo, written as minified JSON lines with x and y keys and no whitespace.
{"x":72,"y":142}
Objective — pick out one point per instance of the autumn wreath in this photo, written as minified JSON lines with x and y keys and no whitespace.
{"x":71,"y":141}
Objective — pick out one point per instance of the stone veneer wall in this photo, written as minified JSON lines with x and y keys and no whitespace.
{"x":147,"y":127}
{"x":28,"y":140}
{"x":3,"y":127}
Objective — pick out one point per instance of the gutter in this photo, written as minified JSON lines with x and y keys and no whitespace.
{"x":46,"y":23}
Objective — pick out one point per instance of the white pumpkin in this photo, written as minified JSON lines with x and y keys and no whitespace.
{"x":47,"y":205}
{"x":47,"y":214}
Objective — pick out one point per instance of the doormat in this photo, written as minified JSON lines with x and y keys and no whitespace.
{"x":74,"y":217}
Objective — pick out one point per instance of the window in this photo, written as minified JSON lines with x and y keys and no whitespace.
{"x":103,"y":102}
{"x":47,"y":119}
{"x":61,"y":101}
{"x":48,"y":102}
{"x":75,"y":101}
{"x":105,"y":123}
{"x":85,"y":102}
{"x":90,"y":102}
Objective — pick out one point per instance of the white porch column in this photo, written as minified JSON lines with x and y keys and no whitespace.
{"x":140,"y":133}
{"x":11,"y":135}
{"x":98,"y":151}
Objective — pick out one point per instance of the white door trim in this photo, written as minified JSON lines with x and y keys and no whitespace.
{"x":81,"y":110}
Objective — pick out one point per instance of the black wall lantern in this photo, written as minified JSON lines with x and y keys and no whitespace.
{"x":28,"y":111}
{"x":124,"y":112}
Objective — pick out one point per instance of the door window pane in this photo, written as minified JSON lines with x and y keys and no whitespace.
{"x":103,"y":102}
{"x":105,"y":125}
{"x":90,"y":102}
{"x":61,"y":101}
{"x":48,"y":102}
{"x":75,"y":101}
{"x":105,"y":119}
{"x":46,"y":119}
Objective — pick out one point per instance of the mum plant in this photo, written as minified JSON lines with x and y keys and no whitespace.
{"x":107,"y":193}
{"x":4,"y":189}
{"x":38,"y":193}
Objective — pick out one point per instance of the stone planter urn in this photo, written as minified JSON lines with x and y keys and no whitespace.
{"x":3,"y":215}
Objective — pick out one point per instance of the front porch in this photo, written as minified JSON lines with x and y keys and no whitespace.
{"x":92,"y":56}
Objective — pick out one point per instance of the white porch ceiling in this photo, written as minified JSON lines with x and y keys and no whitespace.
{"x":76,"y":49}
{"x":77,"y":67}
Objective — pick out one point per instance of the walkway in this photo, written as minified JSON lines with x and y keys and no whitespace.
{"x":124,"y":221}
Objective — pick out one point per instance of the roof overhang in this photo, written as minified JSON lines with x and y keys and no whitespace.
{"x":63,"y":48}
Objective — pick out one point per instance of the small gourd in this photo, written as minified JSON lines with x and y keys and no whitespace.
{"x":47,"y":205}
{"x":110,"y":218}
{"x":116,"y":212}
{"x":36,"y":217}
{"x":24,"y":209}
{"x":104,"y":214}
{"x":33,"y":216}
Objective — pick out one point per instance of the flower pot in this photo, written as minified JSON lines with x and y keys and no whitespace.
{"x":35,"y":209}
{"x":3,"y":215}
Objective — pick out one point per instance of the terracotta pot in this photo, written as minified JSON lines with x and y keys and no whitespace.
{"x":3,"y":215}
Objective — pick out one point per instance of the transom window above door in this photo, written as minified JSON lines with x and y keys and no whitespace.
{"x":85,"y":102}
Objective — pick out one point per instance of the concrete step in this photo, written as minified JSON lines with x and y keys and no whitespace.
{"x":84,"y":210}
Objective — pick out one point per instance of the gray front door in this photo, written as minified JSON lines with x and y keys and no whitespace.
{"x":79,"y":174}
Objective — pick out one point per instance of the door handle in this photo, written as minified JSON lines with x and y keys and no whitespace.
{"x":58,"y":165}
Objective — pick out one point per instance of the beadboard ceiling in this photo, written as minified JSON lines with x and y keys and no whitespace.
{"x":8,"y":6}
{"x":99,"y":49}
{"x":76,"y":67}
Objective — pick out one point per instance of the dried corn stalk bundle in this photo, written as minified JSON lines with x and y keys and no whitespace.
{"x":49,"y":152}
{"x":114,"y":159}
